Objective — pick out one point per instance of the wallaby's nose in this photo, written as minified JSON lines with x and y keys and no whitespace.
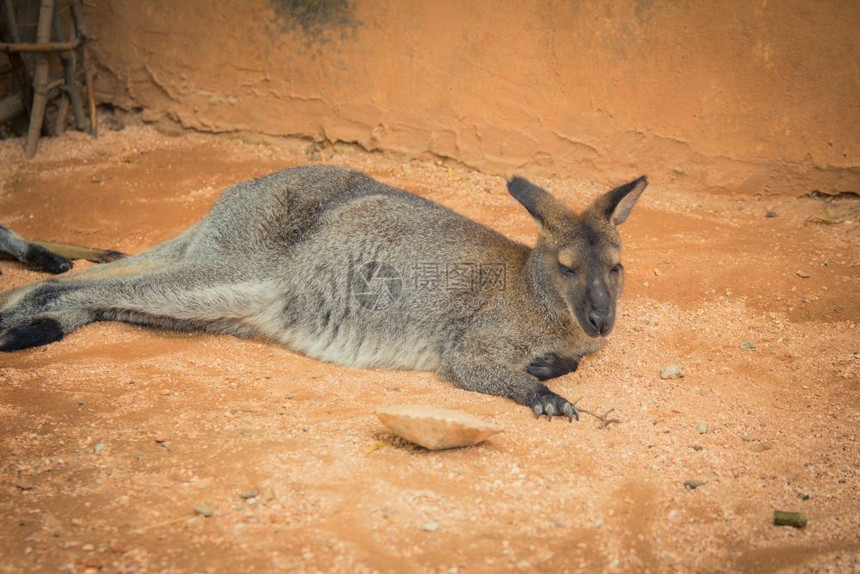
{"x":600,"y":321}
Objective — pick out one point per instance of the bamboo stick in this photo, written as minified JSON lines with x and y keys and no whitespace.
{"x":59,"y":127}
{"x":72,"y":86}
{"x":18,"y":64}
{"x":40,"y":48}
{"x":12,"y":21}
{"x":78,"y":17}
{"x":40,"y":98}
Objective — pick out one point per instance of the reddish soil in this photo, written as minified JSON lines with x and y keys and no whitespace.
{"x":110,"y":438}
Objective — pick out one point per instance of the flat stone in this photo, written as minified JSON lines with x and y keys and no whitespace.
{"x":436,"y":429}
{"x":672,"y":371}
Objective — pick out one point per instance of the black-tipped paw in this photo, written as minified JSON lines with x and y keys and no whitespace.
{"x":550,"y":404}
{"x":36,"y":333}
{"x":45,"y":260}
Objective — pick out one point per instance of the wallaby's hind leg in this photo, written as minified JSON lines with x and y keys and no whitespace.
{"x":30,"y":253}
{"x":179,"y":295}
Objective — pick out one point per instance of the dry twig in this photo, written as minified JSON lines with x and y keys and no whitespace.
{"x":604,"y":419}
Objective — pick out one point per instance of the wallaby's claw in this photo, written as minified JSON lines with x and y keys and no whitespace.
{"x":553,"y":405}
{"x":570,"y":411}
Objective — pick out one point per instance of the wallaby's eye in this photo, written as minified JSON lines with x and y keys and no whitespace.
{"x":616,"y":269}
{"x":565,"y":270}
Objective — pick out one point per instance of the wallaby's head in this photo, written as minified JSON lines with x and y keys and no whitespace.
{"x":577,"y":258}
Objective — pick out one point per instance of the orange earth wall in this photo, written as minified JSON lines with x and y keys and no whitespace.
{"x":737,"y":95}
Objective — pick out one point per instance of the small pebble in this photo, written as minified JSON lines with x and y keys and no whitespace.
{"x":249,"y":494}
{"x":771,"y":214}
{"x":702,"y":428}
{"x":431,"y":527}
{"x":672,"y":371}
{"x":802,"y":274}
{"x":98,"y":447}
{"x":749,"y":345}
{"x":203,"y":510}
{"x":693,"y":484}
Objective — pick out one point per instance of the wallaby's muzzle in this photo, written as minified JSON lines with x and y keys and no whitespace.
{"x":601,"y":322}
{"x":596,"y":313}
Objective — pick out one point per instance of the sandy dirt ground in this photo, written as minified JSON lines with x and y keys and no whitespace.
{"x":111,"y":438}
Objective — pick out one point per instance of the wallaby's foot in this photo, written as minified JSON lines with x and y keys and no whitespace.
{"x":45,"y":260}
{"x":548,"y":403}
{"x":36,"y":333}
{"x":72,"y":252}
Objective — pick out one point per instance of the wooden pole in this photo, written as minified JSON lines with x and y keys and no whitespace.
{"x":72,"y":86}
{"x":59,"y":127}
{"x":78,"y":17}
{"x":39,"y":48}
{"x":18,"y":64}
{"x":11,"y":21}
{"x":40,"y":98}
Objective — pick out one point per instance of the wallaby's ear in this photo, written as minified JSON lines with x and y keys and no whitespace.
{"x":617,"y":204}
{"x":539,"y":203}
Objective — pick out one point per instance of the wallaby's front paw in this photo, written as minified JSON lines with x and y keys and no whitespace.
{"x":548,"y":403}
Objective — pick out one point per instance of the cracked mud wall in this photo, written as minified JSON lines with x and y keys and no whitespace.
{"x":736,"y":95}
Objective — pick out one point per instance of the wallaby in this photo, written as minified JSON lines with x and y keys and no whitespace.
{"x":340,"y":267}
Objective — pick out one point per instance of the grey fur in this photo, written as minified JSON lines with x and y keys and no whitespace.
{"x":340,"y":267}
